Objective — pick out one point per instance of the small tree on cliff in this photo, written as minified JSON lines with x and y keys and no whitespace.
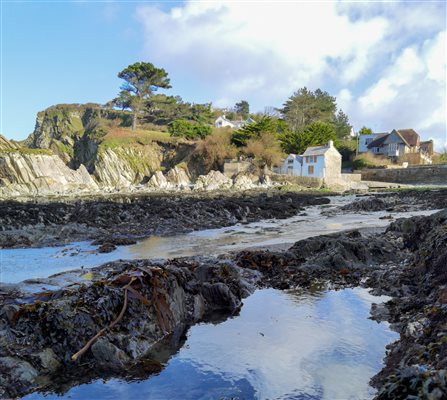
{"x":141,"y":80}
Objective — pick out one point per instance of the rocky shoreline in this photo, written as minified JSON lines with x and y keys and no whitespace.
{"x":109,"y":321}
{"x":117,"y":220}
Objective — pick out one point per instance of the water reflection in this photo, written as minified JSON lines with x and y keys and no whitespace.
{"x":283,"y":345}
{"x":19,"y":264}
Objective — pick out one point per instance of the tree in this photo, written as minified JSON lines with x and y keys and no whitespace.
{"x":242,"y":108}
{"x":141,"y":80}
{"x":123,"y":100}
{"x":188,"y":129}
{"x":316,"y":134}
{"x":265,"y":148}
{"x":254,"y":130}
{"x":365,"y":131}
{"x":305,"y":107}
{"x":342,"y":125}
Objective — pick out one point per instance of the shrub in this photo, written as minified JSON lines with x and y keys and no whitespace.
{"x":188,"y":129}
{"x":215,"y":148}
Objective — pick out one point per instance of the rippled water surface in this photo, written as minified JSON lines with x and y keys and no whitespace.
{"x":19,"y":264}
{"x":284,"y":345}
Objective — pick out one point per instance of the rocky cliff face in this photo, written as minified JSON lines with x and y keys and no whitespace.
{"x":87,"y":147}
{"x":40,"y":175}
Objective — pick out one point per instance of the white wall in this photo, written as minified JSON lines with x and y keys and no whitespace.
{"x":364,"y":140}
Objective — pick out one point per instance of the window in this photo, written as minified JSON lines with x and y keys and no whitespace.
{"x":310,"y":169}
{"x":311,"y":159}
{"x":290,"y":160}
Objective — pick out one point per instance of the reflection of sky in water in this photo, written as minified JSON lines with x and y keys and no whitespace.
{"x":284,"y":345}
{"x":19,"y":264}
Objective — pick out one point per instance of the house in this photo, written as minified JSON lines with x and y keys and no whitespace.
{"x":322,"y":162}
{"x":292,"y":165}
{"x":365,"y":140}
{"x":223,"y":121}
{"x":402,"y":145}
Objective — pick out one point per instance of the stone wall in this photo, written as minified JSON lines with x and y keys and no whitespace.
{"x":417,"y":175}
{"x":314,"y":183}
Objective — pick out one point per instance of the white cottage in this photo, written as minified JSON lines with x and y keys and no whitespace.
{"x":223,"y":121}
{"x":292,"y":165}
{"x":322,"y":162}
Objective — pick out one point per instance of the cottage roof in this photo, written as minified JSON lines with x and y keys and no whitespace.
{"x":316,"y":150}
{"x":410,"y":136}
{"x":378,"y":141}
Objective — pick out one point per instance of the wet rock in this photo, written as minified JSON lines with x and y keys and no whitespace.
{"x":106,"y":248}
{"x":108,"y":355}
{"x":48,"y":360}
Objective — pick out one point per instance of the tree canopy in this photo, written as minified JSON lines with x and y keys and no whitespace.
{"x":141,"y":80}
{"x":242,"y":108}
{"x":365,"y":131}
{"x":255,"y":129}
{"x":315,"y":134}
{"x":305,"y":107}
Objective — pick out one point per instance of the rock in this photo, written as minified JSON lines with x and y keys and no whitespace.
{"x":212,"y":181}
{"x":20,"y":372}
{"x":48,"y":360}
{"x":158,"y":181}
{"x":243,"y":182}
{"x":40,"y":175}
{"x":108,"y":355}
{"x":106,"y":248}
{"x":178,"y":177}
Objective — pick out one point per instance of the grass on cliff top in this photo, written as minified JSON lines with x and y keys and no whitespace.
{"x":125,"y":136}
{"x":27,"y":151}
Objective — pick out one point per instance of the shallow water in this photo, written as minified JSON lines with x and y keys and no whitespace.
{"x":17,"y":265}
{"x":284,"y":345}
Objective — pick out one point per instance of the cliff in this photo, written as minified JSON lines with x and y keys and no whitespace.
{"x":88,"y":148}
{"x":26,"y":171}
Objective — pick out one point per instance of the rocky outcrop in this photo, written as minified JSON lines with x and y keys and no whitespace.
{"x":158,"y":181}
{"x":178,"y":177}
{"x":40,"y":175}
{"x":212,"y":181}
{"x":151,"y":301}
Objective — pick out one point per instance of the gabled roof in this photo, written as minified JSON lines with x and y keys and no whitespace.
{"x":410,"y":136}
{"x":316,"y":151}
{"x":378,"y":141}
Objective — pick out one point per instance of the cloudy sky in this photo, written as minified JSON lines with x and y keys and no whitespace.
{"x":384,"y":61}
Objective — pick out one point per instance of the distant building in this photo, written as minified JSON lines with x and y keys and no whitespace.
{"x":292,"y":165}
{"x":316,"y":162}
{"x":223,"y":121}
{"x":399,"y":144}
{"x":322,"y":162}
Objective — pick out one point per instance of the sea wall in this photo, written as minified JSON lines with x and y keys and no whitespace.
{"x":417,"y":175}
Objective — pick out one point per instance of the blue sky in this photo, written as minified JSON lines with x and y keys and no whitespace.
{"x":385,"y":62}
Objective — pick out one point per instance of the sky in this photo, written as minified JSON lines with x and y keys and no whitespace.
{"x":385,"y":62}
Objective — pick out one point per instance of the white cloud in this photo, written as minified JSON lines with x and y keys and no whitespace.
{"x":380,"y":57}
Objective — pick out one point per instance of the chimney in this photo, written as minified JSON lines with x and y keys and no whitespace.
{"x":331,"y":143}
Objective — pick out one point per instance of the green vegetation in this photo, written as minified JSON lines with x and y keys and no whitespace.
{"x":305,"y":107}
{"x":440,"y":158}
{"x":188,"y":129}
{"x":242,"y":108}
{"x":123,"y":137}
{"x":365,"y":131}
{"x":141,"y":80}
{"x":266,"y":124}
{"x":315,"y":134}
{"x":265,"y":149}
